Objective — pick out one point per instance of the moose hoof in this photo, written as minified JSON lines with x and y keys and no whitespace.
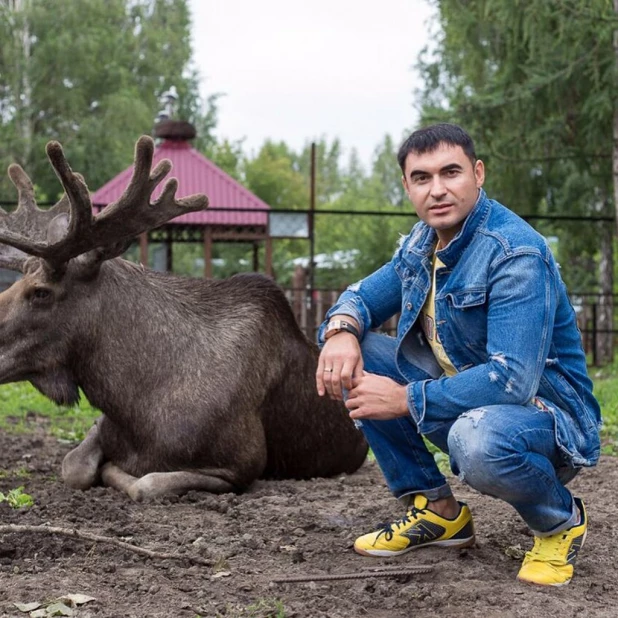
{"x":80,"y":472}
{"x":137,"y":493}
{"x":147,"y":488}
{"x":81,"y":479}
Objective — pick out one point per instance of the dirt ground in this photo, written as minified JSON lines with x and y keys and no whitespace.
{"x":278,"y":529}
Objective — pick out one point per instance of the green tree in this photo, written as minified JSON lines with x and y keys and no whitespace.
{"x":367,"y":240}
{"x":329,"y":181}
{"x":386,"y":175}
{"x":88,"y":73}
{"x":535,"y":82}
{"x":274,"y":176}
{"x":228,"y":156}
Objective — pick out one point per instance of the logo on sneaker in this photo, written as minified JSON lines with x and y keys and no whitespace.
{"x":423,"y":532}
{"x":575,"y":547}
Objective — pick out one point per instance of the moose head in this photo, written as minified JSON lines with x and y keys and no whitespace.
{"x":60,"y":252}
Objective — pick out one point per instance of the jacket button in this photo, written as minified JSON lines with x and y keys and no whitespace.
{"x":409,"y":306}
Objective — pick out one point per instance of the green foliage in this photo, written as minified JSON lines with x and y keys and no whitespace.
{"x":280,"y":177}
{"x":274,"y":176}
{"x":264,"y":608}
{"x":20,"y":473}
{"x":534,"y":81}
{"x":227,"y":155}
{"x":606,"y":392}
{"x":21,"y":405}
{"x":89,"y":73}
{"x":17,"y":498}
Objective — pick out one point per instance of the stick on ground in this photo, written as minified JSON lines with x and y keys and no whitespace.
{"x":88,"y":536}
{"x":385,"y":572}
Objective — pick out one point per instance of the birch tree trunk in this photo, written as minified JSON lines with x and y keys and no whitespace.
{"x":23,"y":102}
{"x":605,"y":315}
{"x":615,"y":148}
{"x":607,"y":243}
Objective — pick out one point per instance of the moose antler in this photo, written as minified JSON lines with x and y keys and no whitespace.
{"x":30,"y":229}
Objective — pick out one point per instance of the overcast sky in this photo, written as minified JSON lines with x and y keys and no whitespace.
{"x":296,"y":70}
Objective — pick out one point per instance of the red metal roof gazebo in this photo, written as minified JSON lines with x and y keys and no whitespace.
{"x":234,"y":213}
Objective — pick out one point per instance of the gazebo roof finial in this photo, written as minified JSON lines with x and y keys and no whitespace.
{"x":166,"y":127}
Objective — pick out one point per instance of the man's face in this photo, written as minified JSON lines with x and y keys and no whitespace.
{"x":443,"y":187}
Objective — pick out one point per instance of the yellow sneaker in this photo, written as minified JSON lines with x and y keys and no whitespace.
{"x":420,"y":527}
{"x":550,"y":563}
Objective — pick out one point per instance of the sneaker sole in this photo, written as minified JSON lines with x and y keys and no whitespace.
{"x":384,"y":553}
{"x":530,"y":583}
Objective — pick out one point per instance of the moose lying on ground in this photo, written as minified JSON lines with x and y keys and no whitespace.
{"x":203,"y":384}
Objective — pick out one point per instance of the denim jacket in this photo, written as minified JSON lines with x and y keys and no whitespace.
{"x":504,"y":319}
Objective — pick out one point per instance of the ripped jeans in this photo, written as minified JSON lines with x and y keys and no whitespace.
{"x":505,"y":451}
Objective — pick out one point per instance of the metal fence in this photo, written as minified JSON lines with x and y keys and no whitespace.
{"x":316,"y":253}
{"x":310,"y":307}
{"x":576,"y":240}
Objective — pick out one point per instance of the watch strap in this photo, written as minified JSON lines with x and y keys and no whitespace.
{"x":337,"y":326}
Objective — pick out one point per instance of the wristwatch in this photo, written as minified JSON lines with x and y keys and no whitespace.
{"x":336,"y":326}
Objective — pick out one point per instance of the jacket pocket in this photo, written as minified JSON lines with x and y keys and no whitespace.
{"x":467,"y":298}
{"x":466,"y":318}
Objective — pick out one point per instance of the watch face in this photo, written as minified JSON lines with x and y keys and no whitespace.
{"x":332,"y":328}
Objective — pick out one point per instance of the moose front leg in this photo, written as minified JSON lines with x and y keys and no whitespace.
{"x":158,"y":484}
{"x":80,"y":467}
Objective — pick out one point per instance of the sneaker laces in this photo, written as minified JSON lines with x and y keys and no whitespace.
{"x":549,"y":549}
{"x":388,"y":529}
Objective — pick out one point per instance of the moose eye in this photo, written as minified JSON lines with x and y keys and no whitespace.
{"x":41,"y":295}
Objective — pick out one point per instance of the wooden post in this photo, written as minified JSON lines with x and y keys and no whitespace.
{"x":256,"y":257}
{"x":268,"y":258}
{"x":595,"y":342}
{"x":143,"y":248}
{"x":299,"y":282}
{"x":311,"y":279}
{"x":207,"y":252}
{"x":169,"y":258}
{"x":319,"y":308}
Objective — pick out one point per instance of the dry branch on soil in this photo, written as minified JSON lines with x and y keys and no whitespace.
{"x":88,"y":536}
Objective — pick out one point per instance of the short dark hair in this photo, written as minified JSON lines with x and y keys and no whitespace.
{"x":430,"y":138}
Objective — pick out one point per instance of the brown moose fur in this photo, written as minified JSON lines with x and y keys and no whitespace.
{"x":208,"y":384}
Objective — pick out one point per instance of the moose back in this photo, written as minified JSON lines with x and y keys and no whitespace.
{"x":203,"y":384}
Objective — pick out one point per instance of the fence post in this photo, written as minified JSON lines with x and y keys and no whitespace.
{"x":595,"y":352}
{"x":311,"y":282}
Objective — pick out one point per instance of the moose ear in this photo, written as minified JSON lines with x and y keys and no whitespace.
{"x":89,"y":263}
{"x":58,"y":228}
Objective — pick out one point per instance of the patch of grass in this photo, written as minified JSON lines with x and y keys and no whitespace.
{"x":606,"y":392}
{"x":265,"y":608}
{"x":262,"y":608}
{"x":21,"y":406}
{"x":16,"y":473}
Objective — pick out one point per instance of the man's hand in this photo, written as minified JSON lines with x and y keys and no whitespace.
{"x":377,"y":398}
{"x":339,"y":360}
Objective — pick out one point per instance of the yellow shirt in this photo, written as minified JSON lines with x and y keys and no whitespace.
{"x":428,"y":323}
